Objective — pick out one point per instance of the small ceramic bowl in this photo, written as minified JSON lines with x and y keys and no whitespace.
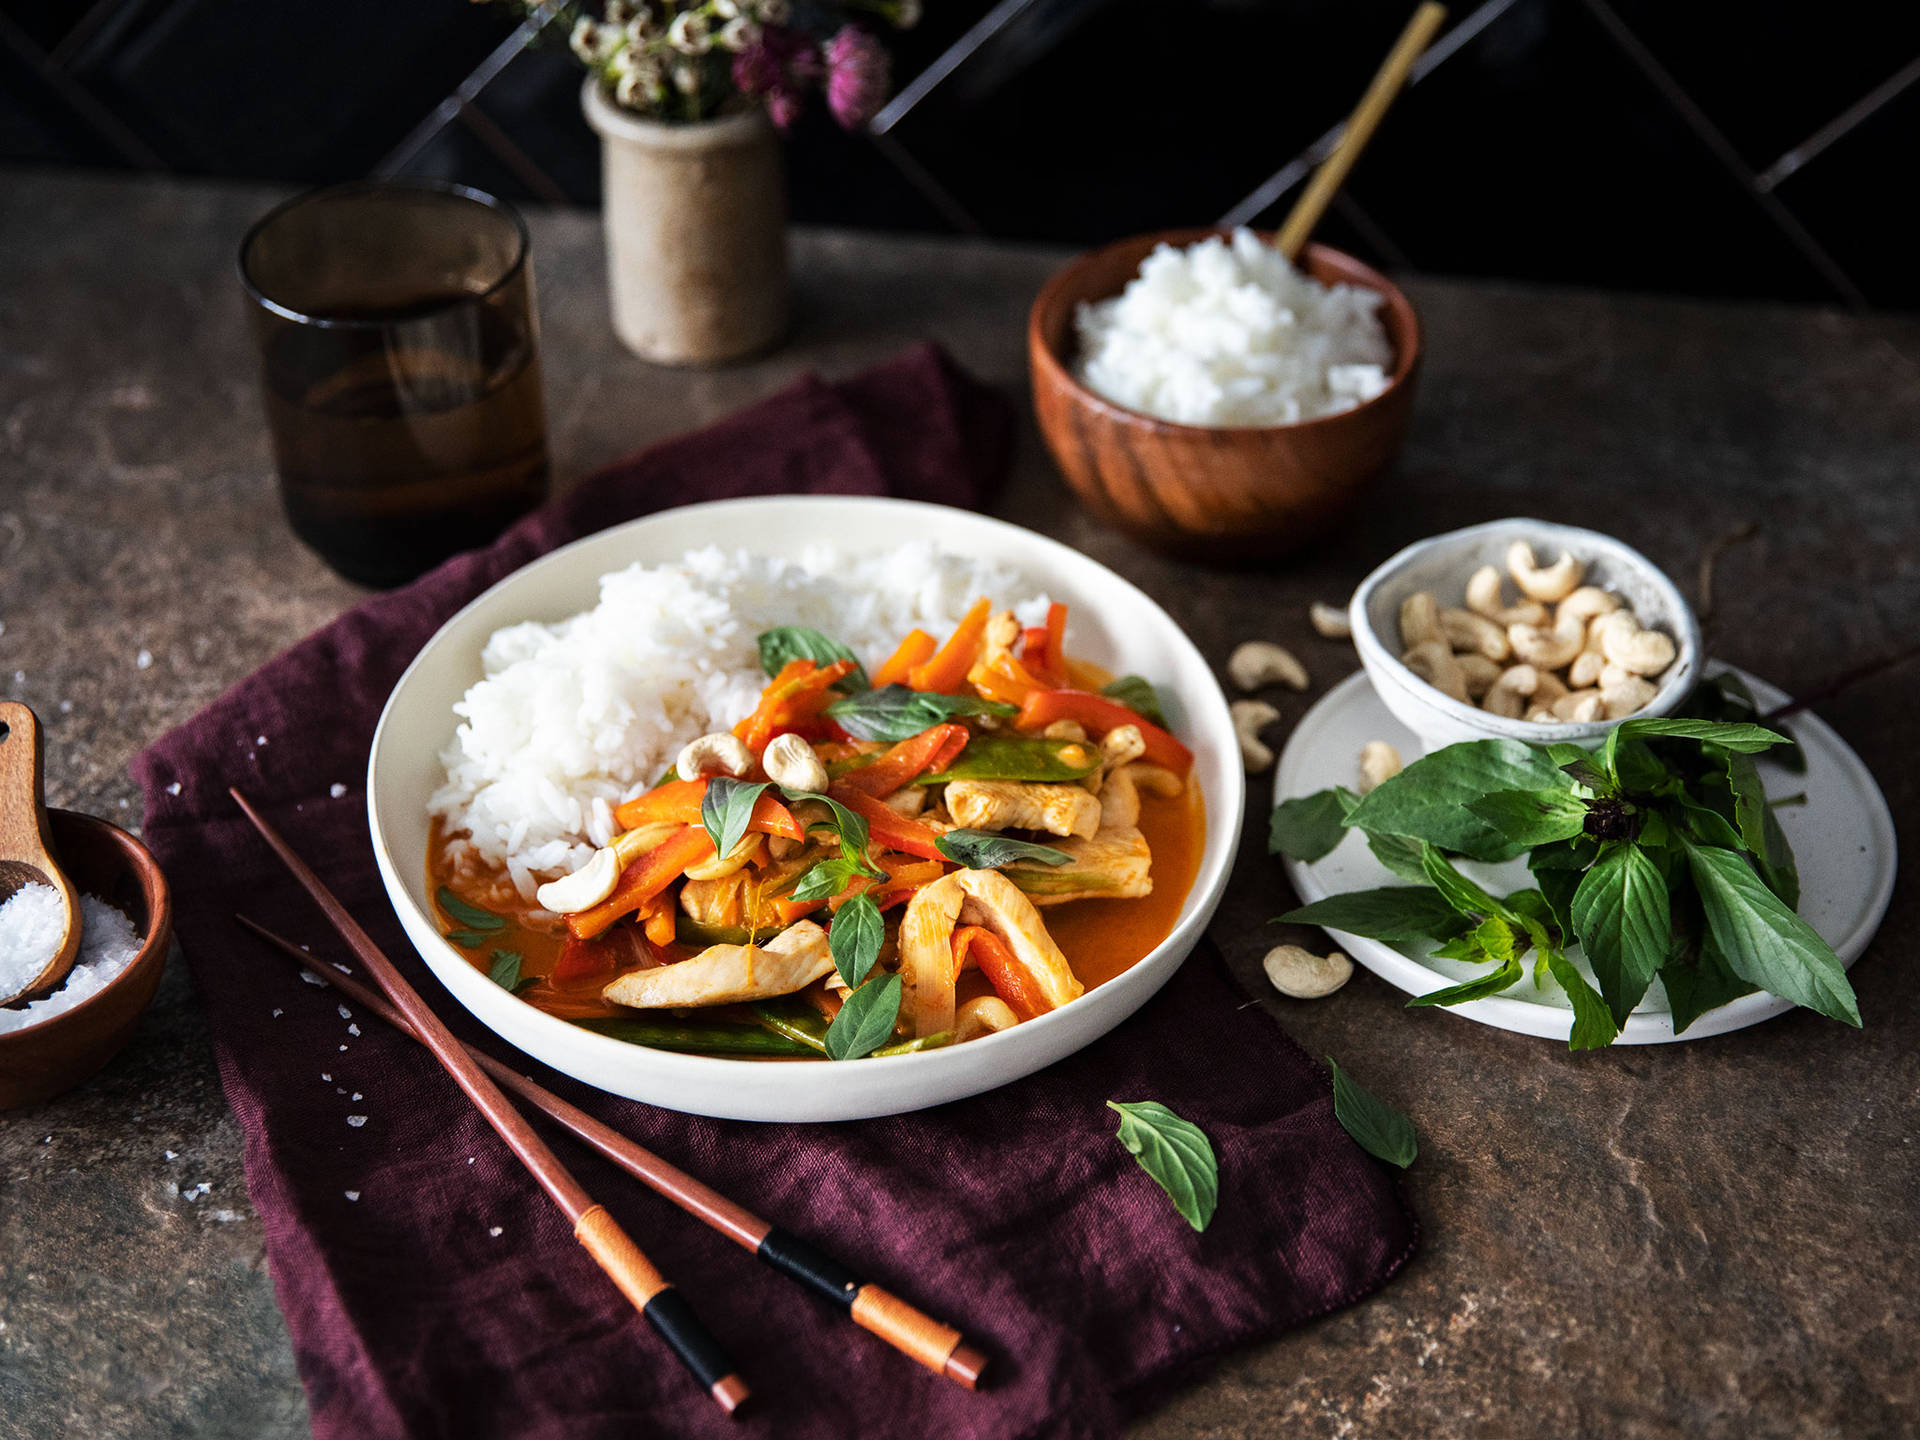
{"x":1212,"y":492}
{"x":1443,"y":564}
{"x":49,"y":1058}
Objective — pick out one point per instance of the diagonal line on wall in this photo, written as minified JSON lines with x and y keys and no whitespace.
{"x":1834,"y":129}
{"x":948,"y":61}
{"x":1710,"y":136}
{"x":521,"y":165}
{"x":108,"y":126}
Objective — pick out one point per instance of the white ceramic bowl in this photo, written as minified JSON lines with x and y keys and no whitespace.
{"x":1443,"y":565}
{"x":1112,"y":624}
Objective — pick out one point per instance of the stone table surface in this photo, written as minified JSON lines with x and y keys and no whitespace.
{"x":1709,"y":1239}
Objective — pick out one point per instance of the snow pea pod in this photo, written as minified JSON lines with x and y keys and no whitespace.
{"x":698,"y":1037}
{"x":1009,"y":757}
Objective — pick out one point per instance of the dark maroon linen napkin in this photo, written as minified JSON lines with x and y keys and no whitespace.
{"x":431,"y":1290}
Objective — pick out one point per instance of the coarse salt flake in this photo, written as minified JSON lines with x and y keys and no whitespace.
{"x":143,"y":661}
{"x":356,"y":1121}
{"x":352,"y":1194}
{"x":336,"y":790}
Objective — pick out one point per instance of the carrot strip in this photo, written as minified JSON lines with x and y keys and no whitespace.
{"x":933,"y":749}
{"x":1053,"y":664}
{"x":680,"y":800}
{"x":916,"y":649}
{"x":949,"y":666}
{"x":888,"y":830}
{"x":1006,"y":680}
{"x":1101,"y":714}
{"x":782,"y":703}
{"x":644,"y":879}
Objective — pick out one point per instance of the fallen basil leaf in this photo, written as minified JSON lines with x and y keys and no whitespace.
{"x":865,"y":1021}
{"x":989,"y":850}
{"x":1310,"y":827}
{"x":726,"y":809}
{"x":471,"y":916}
{"x":1620,"y":912}
{"x":1376,"y":1126}
{"x":1393,"y":913}
{"x":1765,"y":942}
{"x":1138,"y":696}
{"x":785,"y":643}
{"x":855,"y":937}
{"x":1176,"y":1155}
{"x":896,"y":713}
{"x":1533,"y":817}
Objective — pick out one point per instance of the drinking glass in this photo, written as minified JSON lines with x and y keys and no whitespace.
{"x":400,"y":363}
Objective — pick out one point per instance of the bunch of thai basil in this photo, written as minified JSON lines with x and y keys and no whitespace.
{"x":1659,"y":853}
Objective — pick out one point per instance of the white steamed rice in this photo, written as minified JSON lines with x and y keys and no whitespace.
{"x":572,"y":718}
{"x":1229,"y":333}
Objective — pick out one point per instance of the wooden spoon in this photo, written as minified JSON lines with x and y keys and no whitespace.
{"x":26,"y":846}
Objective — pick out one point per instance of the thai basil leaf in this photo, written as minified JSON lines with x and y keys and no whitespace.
{"x":796,"y":642}
{"x":1749,"y":800}
{"x":505,"y":971}
{"x":1458,"y":891}
{"x":1621,"y":914}
{"x":1699,"y":982}
{"x":1494,"y":941}
{"x":1138,"y":696}
{"x":469,"y":939}
{"x":1396,"y":913}
{"x":1578,"y":764}
{"x":1593,"y":1023}
{"x":1710,"y":826}
{"x":865,"y":1021}
{"x":1765,"y":942}
{"x":1636,"y":768}
{"x":826,"y":879}
{"x":726,"y":809}
{"x":1532,"y":817}
{"x":1376,"y":1126}
{"x":849,"y":827}
{"x":1400,"y":855}
{"x":1476,"y":989}
{"x":1747,"y":739}
{"x":1427,"y":800}
{"x":1176,"y":1155}
{"x":471,"y":916}
{"x":855,"y":937}
{"x":989,"y":850}
{"x":1775,"y":861}
{"x":1310,"y":827}
{"x":896,"y":713}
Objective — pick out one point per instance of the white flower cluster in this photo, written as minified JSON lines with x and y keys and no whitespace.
{"x":646,"y":50}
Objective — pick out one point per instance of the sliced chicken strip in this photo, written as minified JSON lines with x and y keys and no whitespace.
{"x":726,"y":974}
{"x":1022,"y":805}
{"x":1116,"y":864}
{"x":988,"y":899}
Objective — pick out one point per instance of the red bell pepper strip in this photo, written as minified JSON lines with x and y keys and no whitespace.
{"x":645,"y":878}
{"x":587,"y":962}
{"x":1101,"y":714}
{"x":916,"y":649}
{"x":887,"y":830}
{"x":797,"y":693}
{"x":679,"y":801}
{"x":944,"y":672}
{"x":989,"y":953}
{"x":933,"y":749}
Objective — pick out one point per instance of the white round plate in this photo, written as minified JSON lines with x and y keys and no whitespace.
{"x":1842,"y":839}
{"x":1112,"y":624}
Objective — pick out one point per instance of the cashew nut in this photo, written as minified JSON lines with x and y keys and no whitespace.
{"x":791,"y":764}
{"x":1250,"y":717}
{"x":629,"y":845}
{"x":584,"y":888}
{"x":1548,"y":649}
{"x":1579,"y":706}
{"x":720,"y":753}
{"x":1379,"y":762}
{"x":1540,"y":715}
{"x":1261,"y":662}
{"x":1419,"y":620}
{"x":1550,"y":688}
{"x":1588,"y":664}
{"x":722,"y":866}
{"x":1474,"y":634}
{"x":1629,"y":695}
{"x":1434,"y":663}
{"x":1552,"y":582}
{"x":1589,"y":602}
{"x":1302,"y":975}
{"x":1065,"y":730}
{"x":1514,"y":685}
{"x":1479,"y":671}
{"x":1330,"y":621}
{"x":1624,"y":643}
{"x":1484,"y":597}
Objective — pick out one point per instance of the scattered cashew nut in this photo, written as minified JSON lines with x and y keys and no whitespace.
{"x":791,"y":764}
{"x":584,"y":888}
{"x":1250,"y":717}
{"x":1379,"y":763}
{"x":1330,"y":621}
{"x":1537,"y":582}
{"x":1260,"y":662}
{"x":1484,"y":597}
{"x":1302,"y":975}
{"x":720,"y":753}
{"x":1420,"y":620}
{"x":1624,"y":643}
{"x":1475,"y":634}
{"x":1436,"y":664}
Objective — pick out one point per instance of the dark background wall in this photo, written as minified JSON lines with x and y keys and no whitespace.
{"x":1696,"y":146}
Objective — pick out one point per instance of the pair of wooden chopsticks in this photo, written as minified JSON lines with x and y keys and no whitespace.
{"x":939,"y":1347}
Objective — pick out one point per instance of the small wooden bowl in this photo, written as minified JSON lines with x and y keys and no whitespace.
{"x":1228,"y":493}
{"x":47,"y":1059}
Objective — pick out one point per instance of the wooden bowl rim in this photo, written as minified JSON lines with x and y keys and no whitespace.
{"x":1058,"y":372}
{"x":159,"y":897}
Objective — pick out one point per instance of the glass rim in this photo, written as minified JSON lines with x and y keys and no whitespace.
{"x":444,"y":188}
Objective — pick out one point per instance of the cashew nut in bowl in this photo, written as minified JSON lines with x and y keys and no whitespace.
{"x":1516,"y":683}
{"x":1549,"y":689}
{"x":1588,"y":664}
{"x":1579,"y":706}
{"x":1420,"y":620}
{"x":1300,"y":974}
{"x":584,"y":888}
{"x":1261,"y":662}
{"x":791,"y":764}
{"x":1379,"y":763}
{"x":1589,"y":602}
{"x":1552,"y":582}
{"x":1484,"y":598}
{"x":1480,"y":672}
{"x":1330,"y":621}
{"x":1624,"y":643}
{"x":1626,"y":697}
{"x":1434,"y":663}
{"x":1474,"y":634}
{"x":721,"y":753}
{"x":1250,"y":717}
{"x":1540,"y":715}
{"x":1548,"y":649}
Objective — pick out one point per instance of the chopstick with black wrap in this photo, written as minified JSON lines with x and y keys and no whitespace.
{"x":650,"y":1292}
{"x":939,"y":1347}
